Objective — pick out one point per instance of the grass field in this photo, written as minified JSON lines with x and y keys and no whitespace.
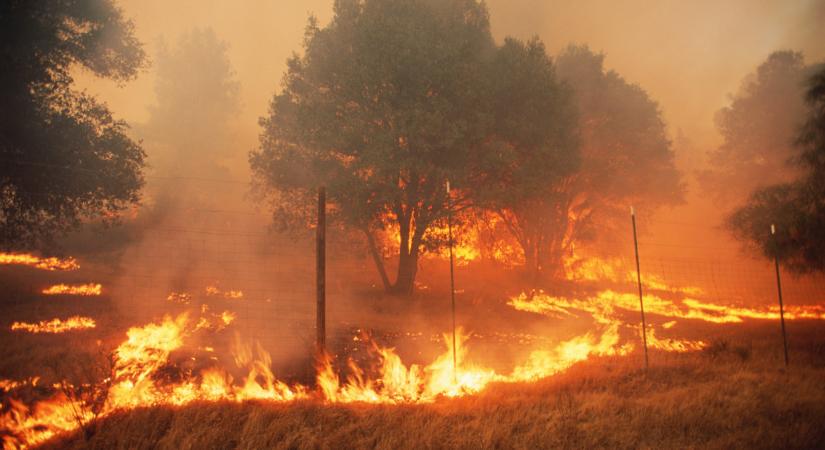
{"x":728,"y":396}
{"x":736,"y":393}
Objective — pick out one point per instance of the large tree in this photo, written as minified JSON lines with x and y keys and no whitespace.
{"x":533,"y":148}
{"x":65,"y":158}
{"x":758,"y":128}
{"x":385,"y":104}
{"x":797,"y":208}
{"x":626,"y":158}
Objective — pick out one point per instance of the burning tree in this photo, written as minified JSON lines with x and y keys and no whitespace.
{"x":392,"y":99}
{"x":385,"y":105}
{"x":532,"y":149}
{"x":626,"y":156}
{"x":64,"y":157}
{"x":573,"y":171}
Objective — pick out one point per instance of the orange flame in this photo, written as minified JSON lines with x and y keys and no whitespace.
{"x":397,"y":383}
{"x":146,"y":351}
{"x":30,"y":260}
{"x":42,"y":422}
{"x":91,"y":289}
{"x":142,"y":357}
{"x":229,"y":294}
{"x":596,"y":269}
{"x":672,"y":344}
{"x":10,"y":385}
{"x":183,"y":298}
{"x":606,"y":301}
{"x":55,"y":325}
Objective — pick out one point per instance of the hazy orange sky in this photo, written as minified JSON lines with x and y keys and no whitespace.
{"x":689,"y":55}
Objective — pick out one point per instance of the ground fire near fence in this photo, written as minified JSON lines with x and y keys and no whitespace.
{"x":185,"y":345}
{"x":412,"y":224}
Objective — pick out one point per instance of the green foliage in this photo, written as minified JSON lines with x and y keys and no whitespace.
{"x":383,"y":107}
{"x":64,"y":157}
{"x":798,"y":207}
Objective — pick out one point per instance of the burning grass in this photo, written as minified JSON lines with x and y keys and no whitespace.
{"x":26,"y":259}
{"x":56,"y":325}
{"x":605,"y":302}
{"x":89,"y":289}
{"x":168,"y":371}
{"x":138,"y":364}
{"x":685,"y":401}
{"x":140,"y":378}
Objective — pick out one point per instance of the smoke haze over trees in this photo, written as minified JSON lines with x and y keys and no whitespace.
{"x":759,"y":128}
{"x":533,"y":149}
{"x":627,"y":159}
{"x":796,"y":207}
{"x":384,"y":106}
{"x":188,"y":135}
{"x":187,"y":110}
{"x":383,"y":120}
{"x":197,"y":99}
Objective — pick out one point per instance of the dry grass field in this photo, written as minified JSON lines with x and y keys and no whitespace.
{"x":731,"y":395}
{"x":735,"y":393}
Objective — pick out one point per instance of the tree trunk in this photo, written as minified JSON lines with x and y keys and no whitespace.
{"x":407,"y":269}
{"x":408,"y":259}
{"x":376,"y":258}
{"x":531,"y":260}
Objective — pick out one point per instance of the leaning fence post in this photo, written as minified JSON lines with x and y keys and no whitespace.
{"x":639,"y":280}
{"x":779,"y":291}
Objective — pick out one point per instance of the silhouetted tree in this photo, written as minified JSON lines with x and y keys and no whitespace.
{"x":197,"y":98}
{"x":65,"y":158}
{"x":385,"y":105}
{"x":533,"y":148}
{"x":626,"y":157}
{"x":759,"y":127}
{"x":797,"y":207}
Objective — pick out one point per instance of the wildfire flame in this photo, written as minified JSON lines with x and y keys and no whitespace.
{"x":215,"y":321}
{"x":145,"y":353}
{"x":579,"y":268}
{"x":672,"y":345}
{"x":55,"y":325}
{"x":397,"y":383}
{"x":27,"y":259}
{"x":604,"y":303}
{"x":183,"y":298}
{"x":10,"y":385}
{"x":91,"y":289}
{"x":228,"y":294}
{"x":142,"y":363}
